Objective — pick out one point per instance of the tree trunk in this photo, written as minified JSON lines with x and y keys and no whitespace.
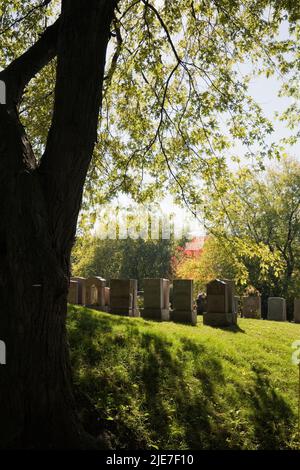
{"x":36,"y":402}
{"x":38,"y":216}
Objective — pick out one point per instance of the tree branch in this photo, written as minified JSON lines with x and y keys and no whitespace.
{"x":164,"y":26}
{"x":19,"y":19}
{"x":19,"y":73}
{"x":115,"y":57}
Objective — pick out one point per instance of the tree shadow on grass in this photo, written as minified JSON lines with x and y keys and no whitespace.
{"x":176,"y":413}
{"x":170,"y":387}
{"x":271,"y":416}
{"x":231,"y":329}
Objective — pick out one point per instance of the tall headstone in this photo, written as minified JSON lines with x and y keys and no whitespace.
{"x":81,"y":289}
{"x":95,"y":293}
{"x":73,"y":293}
{"x":123,"y":297}
{"x":251,"y":306}
{"x":156,"y":299}
{"x":183,"y":309}
{"x":297,"y":310}
{"x":217,"y":297}
{"x":276,"y":309}
{"x":220,"y":304}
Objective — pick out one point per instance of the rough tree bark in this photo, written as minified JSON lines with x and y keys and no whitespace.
{"x":39,"y":205}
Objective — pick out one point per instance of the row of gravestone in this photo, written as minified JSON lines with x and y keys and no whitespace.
{"x":221,"y":303}
{"x":251,"y":308}
{"x":222,"y":306}
{"x":121,"y":297}
{"x":248,"y":306}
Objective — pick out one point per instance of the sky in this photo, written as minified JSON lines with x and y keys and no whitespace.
{"x":265,"y":92}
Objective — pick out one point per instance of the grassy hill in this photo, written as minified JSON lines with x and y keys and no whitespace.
{"x":169,"y":386}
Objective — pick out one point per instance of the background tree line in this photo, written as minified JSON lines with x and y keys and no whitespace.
{"x":128,"y":258}
{"x":254,"y":224}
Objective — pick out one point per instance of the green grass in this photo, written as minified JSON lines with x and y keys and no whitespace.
{"x":170,"y":386}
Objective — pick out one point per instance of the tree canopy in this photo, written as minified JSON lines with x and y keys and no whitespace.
{"x":174,"y":101}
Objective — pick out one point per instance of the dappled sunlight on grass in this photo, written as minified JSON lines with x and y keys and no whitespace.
{"x":167,"y":385}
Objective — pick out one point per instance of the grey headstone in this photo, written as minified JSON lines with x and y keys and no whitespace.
{"x":156,"y":299}
{"x":297,"y":310}
{"x":123,"y":297}
{"x":81,"y":289}
{"x":251,"y":306}
{"x":221,"y":309}
{"x":183,"y":309}
{"x":217,"y":297}
{"x":276,"y":309}
{"x":73,"y":293}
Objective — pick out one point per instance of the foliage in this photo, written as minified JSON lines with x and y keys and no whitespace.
{"x":174,"y":101}
{"x":177,"y":97}
{"x":133,"y":243}
{"x":257,"y":217}
{"x":215,"y":261}
{"x":21,"y":24}
{"x":127,"y":258}
{"x":168,"y":386}
{"x":291,"y":89}
{"x":254,"y":220}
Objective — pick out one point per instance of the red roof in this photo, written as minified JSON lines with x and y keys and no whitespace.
{"x":195,"y":246}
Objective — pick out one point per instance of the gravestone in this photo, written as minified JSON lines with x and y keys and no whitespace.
{"x":95,"y":293}
{"x":297,"y":310}
{"x":73,"y":294}
{"x":276,"y":309}
{"x":2,"y":92}
{"x":220,"y":304}
{"x":201,"y":304}
{"x":251,"y":306}
{"x":231,"y":302}
{"x":156,"y":299}
{"x":183,"y":309}
{"x":107,"y":297}
{"x":81,"y":289}
{"x":123,"y":297}
{"x":217,"y":297}
{"x":237,"y":300}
